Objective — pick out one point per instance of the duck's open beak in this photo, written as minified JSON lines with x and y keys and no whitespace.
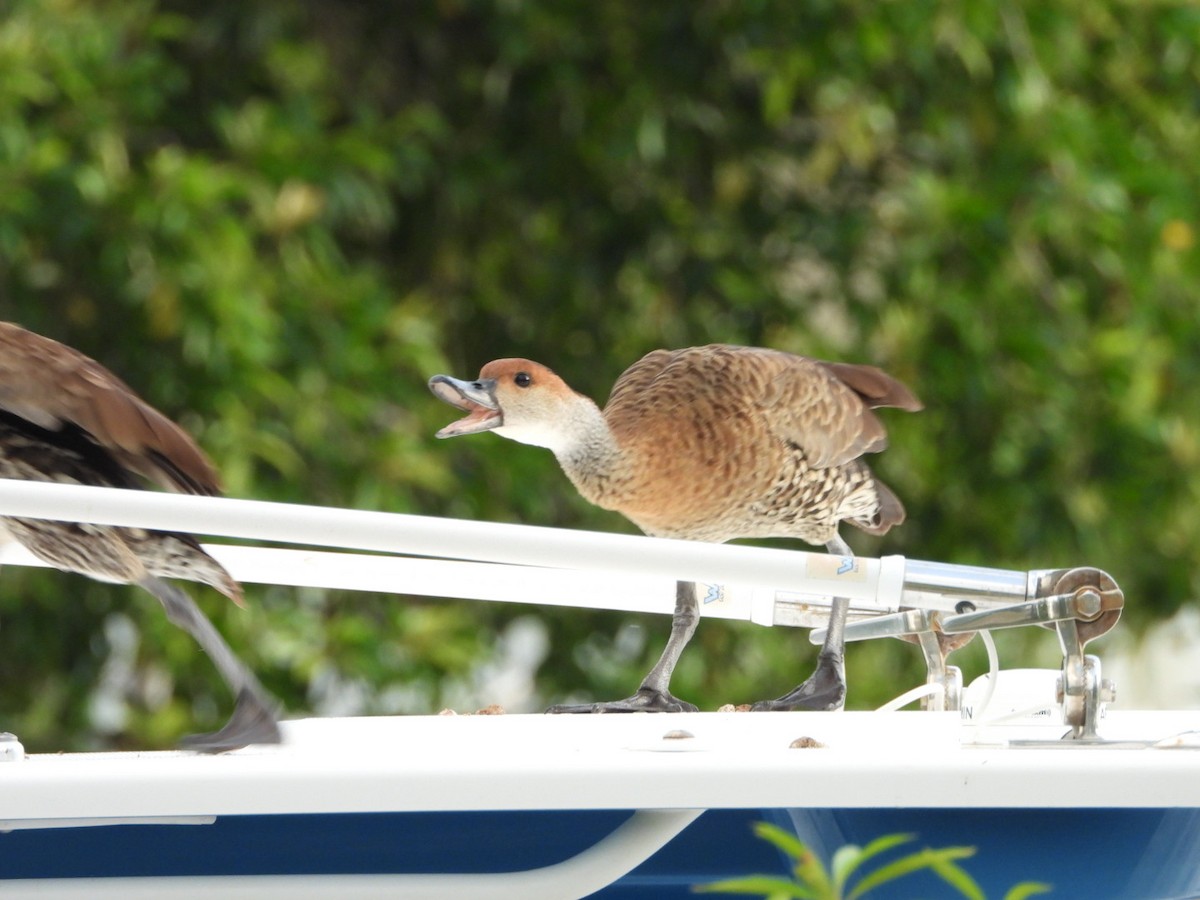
{"x":478,"y":398}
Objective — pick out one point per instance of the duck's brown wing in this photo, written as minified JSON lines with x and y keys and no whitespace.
{"x":875,"y":386}
{"x":826,"y":408}
{"x":52,"y":385}
{"x":635,"y":381}
{"x":822,"y":408}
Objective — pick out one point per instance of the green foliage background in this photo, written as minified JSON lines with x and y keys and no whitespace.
{"x":276,"y":219}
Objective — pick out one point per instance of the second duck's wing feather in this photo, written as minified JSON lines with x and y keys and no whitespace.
{"x":51,"y":384}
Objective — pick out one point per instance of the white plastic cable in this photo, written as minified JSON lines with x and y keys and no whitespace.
{"x":993,"y":673}
{"x":930,"y":689}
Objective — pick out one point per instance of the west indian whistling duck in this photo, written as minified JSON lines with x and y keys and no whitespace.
{"x":65,"y":418}
{"x":711,"y":444}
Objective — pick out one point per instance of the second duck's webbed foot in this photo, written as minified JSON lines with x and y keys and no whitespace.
{"x":645,"y":700}
{"x":254,"y":721}
{"x":825,"y":689}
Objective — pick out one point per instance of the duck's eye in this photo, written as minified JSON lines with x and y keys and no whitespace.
{"x":523,"y":379}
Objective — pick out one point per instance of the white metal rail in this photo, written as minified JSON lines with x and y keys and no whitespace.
{"x":522,"y":563}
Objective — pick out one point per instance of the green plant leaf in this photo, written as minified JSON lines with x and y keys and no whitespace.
{"x":957,"y":877}
{"x":844,"y":865}
{"x":845,"y":860}
{"x":808,"y":867}
{"x":914,"y":862}
{"x":1027,"y":889}
{"x":782,"y":839}
{"x":813,"y":881}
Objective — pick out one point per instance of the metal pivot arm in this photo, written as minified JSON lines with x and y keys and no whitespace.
{"x":1080,"y":595}
{"x":1085,"y":604}
{"x":1079,"y":604}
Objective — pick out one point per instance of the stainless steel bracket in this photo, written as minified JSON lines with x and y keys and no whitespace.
{"x":1085,"y":604}
{"x":1078,"y":604}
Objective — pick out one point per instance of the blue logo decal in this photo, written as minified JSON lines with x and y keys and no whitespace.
{"x":714,"y":593}
{"x":846,"y":566}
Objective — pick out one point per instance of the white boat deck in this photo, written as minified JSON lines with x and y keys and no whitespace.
{"x":537,"y":762}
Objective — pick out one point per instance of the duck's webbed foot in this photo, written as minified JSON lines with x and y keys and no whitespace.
{"x":645,"y":700}
{"x":254,"y":721}
{"x":825,"y":689}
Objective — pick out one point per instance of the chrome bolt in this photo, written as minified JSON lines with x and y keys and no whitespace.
{"x":1089,"y":603}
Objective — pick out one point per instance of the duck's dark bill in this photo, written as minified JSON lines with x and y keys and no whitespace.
{"x":460,"y":395}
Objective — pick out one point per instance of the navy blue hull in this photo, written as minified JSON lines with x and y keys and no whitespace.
{"x":1123,"y":854}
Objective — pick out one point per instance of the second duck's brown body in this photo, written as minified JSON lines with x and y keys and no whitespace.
{"x":65,"y":418}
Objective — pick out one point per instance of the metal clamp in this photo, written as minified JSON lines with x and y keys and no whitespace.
{"x":1085,"y":604}
{"x":1079,"y":604}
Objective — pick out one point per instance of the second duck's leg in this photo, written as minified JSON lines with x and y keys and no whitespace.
{"x":825,"y":689}
{"x":254,"y":717}
{"x":653,"y":695}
